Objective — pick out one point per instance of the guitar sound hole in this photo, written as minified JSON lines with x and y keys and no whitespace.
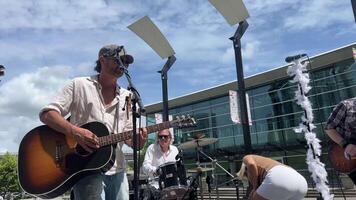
{"x":81,"y":151}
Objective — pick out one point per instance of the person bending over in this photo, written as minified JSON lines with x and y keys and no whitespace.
{"x":272,"y":180}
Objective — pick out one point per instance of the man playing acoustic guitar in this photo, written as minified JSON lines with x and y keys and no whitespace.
{"x":341,"y":128}
{"x":97,"y":98}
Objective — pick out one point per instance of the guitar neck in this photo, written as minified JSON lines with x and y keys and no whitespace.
{"x":115,"y":138}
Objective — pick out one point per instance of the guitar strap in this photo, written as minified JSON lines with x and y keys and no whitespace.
{"x":116,"y":120}
{"x":115,"y":127}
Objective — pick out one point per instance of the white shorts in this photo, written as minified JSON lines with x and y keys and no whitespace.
{"x":283,"y":183}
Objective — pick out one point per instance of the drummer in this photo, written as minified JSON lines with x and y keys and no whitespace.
{"x":159,"y":153}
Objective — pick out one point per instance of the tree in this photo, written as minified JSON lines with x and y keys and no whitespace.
{"x":9,"y":184}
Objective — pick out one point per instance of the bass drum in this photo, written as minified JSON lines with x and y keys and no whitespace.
{"x":173,"y":181}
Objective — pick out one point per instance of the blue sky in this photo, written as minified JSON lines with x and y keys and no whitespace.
{"x":45,"y":43}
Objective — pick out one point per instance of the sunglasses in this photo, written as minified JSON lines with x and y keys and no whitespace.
{"x":163,"y":137}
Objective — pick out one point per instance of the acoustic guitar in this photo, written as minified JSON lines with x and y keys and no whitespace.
{"x":50,"y":163}
{"x":338,"y":160}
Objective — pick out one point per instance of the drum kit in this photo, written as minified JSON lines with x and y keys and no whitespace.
{"x":172,"y":176}
{"x":173,"y":181}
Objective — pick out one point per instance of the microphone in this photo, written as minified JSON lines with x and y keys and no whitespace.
{"x":127,"y":59}
{"x":124,"y":61}
{"x":179,"y":155}
{"x":2,"y":70}
{"x":293,"y":58}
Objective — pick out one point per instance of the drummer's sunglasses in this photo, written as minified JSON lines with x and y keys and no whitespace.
{"x":163,"y":137}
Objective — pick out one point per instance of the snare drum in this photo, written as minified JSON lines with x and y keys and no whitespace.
{"x":171,"y":174}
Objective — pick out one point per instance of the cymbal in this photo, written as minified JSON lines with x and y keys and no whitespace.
{"x":200,"y":169}
{"x":197,"y":142}
{"x":199,"y":135}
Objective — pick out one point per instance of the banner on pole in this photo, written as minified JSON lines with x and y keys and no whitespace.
{"x":248,"y":110}
{"x":234,"y":108}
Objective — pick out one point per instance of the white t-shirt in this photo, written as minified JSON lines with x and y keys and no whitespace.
{"x":83,"y":100}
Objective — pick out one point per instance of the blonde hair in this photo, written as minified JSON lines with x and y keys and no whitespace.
{"x":242,"y":174}
{"x":171,"y":135}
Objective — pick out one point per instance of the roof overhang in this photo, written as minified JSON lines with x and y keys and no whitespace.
{"x":318,"y":62}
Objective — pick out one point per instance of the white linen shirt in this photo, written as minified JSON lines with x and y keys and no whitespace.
{"x":155,"y":157}
{"x":83,"y":100}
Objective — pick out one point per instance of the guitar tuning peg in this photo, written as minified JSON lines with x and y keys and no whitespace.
{"x":193,"y":122}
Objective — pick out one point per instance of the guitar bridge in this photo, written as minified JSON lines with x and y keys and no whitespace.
{"x":59,"y":154}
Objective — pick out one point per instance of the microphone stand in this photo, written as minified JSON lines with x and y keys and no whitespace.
{"x":136,"y":99}
{"x":221,"y":167}
{"x":193,"y":185}
{"x":208,"y":183}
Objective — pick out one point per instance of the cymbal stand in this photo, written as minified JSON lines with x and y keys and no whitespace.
{"x":209,"y":188}
{"x":215,"y":163}
{"x":192,"y":187}
{"x":215,"y":177}
{"x":198,"y":149}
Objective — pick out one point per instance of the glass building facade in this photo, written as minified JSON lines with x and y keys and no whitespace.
{"x":274,"y":115}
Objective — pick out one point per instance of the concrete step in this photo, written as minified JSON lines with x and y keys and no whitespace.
{"x":230,"y":193}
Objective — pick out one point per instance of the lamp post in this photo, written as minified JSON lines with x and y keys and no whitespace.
{"x":234,"y":11}
{"x":241,"y":84}
{"x":150,"y":33}
{"x":164,"y":78}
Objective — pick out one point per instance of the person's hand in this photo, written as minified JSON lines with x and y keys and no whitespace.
{"x":85,"y":138}
{"x":155,"y":172}
{"x":350,"y":151}
{"x":143,"y":136}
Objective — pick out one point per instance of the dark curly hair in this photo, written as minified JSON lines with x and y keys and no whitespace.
{"x":98,"y":66}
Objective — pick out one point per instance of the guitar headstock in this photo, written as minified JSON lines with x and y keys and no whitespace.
{"x":184,"y":122}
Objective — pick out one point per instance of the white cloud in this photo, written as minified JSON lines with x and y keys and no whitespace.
{"x":62,"y":14}
{"x":21,"y":100}
{"x":205,"y":75}
{"x":15,"y":127}
{"x":319,"y":14}
{"x":27,"y":92}
{"x":251,"y":50}
{"x":69,"y":33}
{"x":228,"y":55}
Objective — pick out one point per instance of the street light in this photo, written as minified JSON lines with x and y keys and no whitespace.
{"x":234,"y":11}
{"x":148,"y":31}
